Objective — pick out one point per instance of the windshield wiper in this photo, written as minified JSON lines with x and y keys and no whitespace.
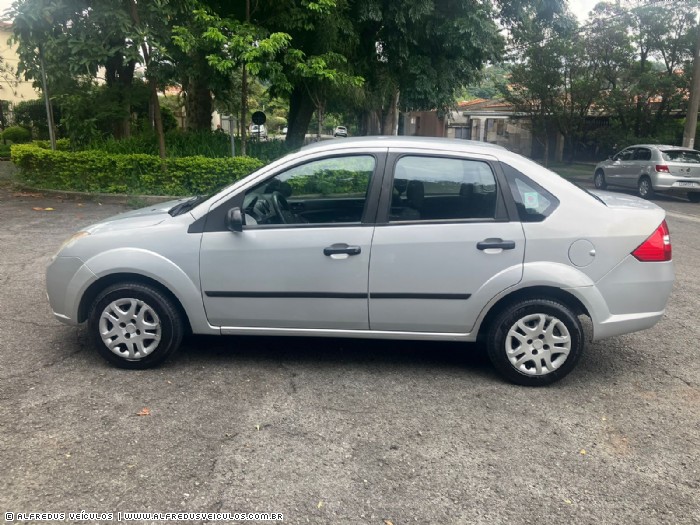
{"x":186,"y":206}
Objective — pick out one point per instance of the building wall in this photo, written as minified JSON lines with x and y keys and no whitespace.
{"x":424,"y":124}
{"x":12,"y":88}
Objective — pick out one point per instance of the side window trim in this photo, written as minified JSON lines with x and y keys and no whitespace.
{"x":384,"y":204}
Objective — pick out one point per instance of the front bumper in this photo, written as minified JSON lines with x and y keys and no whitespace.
{"x":65,"y":280}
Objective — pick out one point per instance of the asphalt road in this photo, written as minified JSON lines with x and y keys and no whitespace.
{"x":341,"y":431}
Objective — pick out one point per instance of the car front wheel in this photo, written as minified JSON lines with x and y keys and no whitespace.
{"x":644,"y":188}
{"x":535,"y":342}
{"x":599,"y":180}
{"x":134,"y":325}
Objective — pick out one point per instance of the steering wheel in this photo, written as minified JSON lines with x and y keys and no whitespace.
{"x":282,"y":209}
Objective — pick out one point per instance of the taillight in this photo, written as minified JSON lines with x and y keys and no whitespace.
{"x":662,"y":168}
{"x":657,"y":247}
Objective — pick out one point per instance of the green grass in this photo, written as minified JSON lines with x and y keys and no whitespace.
{"x":572,"y":171}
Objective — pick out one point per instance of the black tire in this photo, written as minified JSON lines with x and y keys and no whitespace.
{"x":599,"y":180}
{"x":147,"y":300}
{"x":694,"y":196}
{"x":526,"y":373}
{"x":644,"y":188}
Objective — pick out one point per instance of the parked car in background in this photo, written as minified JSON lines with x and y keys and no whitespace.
{"x":258,"y":131}
{"x":340,"y":131}
{"x":650,"y":169}
{"x":467,"y":241}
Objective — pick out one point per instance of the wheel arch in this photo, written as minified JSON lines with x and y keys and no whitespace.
{"x":532,"y":292}
{"x":106,"y":281}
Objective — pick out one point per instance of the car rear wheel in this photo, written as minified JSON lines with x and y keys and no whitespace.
{"x":644,"y":188}
{"x":134,"y":325}
{"x":694,"y":196}
{"x":535,"y":342}
{"x":599,"y":180}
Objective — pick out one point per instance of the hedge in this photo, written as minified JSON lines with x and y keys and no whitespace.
{"x":96,"y":171}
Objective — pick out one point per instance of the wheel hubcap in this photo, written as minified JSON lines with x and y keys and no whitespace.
{"x":538,"y":344}
{"x":598,"y":180}
{"x":644,"y":187}
{"x":130,"y":328}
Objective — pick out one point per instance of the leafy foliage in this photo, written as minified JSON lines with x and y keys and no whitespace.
{"x":95,"y":171}
{"x":17,"y":134}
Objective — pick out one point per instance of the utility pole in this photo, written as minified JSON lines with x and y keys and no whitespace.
{"x":244,"y":91}
{"x":691,"y":117}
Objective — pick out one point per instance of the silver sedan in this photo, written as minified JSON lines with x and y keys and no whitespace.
{"x":652,"y":169}
{"x":384,"y":237}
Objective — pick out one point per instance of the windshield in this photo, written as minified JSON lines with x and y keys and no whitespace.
{"x":684,"y":156}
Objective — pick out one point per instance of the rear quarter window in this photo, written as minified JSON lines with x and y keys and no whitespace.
{"x":533,"y":202}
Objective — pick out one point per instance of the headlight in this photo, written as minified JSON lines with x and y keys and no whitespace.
{"x":70,"y":242}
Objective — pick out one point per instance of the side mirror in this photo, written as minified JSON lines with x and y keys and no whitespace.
{"x":235,"y":220}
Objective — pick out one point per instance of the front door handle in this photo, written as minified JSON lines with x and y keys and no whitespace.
{"x":342,"y":248}
{"x":488,"y":244}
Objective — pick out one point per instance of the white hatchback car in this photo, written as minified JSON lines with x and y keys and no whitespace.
{"x":384,"y":237}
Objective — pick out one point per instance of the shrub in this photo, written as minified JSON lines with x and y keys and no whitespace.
{"x":96,"y":171}
{"x":180,"y":143}
{"x":17,"y":134}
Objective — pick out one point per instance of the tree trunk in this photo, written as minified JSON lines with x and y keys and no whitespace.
{"x":371,"y":123}
{"x":155,"y":103}
{"x":157,"y":118}
{"x":119,"y":76}
{"x":321,"y":115}
{"x":198,"y":104}
{"x":301,"y":109}
{"x":244,"y":109}
{"x":390,"y":117}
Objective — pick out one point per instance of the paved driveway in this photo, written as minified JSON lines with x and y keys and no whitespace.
{"x":341,"y":431}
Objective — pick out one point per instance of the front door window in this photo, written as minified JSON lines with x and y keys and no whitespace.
{"x":328,"y":191}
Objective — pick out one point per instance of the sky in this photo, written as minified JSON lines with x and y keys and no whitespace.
{"x":579,"y":7}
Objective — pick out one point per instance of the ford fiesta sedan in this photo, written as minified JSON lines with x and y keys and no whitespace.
{"x":384,"y":237}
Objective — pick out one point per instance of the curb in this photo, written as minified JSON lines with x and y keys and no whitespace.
{"x":107,"y":198}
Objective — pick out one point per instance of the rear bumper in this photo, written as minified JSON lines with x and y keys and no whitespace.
{"x":631,"y":297}
{"x":667,"y":182}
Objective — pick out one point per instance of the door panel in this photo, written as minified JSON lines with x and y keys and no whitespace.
{"x":429,"y":271}
{"x":304,"y":260}
{"x":440,"y":280}
{"x":281,"y":278}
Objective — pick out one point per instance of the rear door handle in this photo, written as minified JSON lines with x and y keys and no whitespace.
{"x":488,"y":244}
{"x":342,"y":248}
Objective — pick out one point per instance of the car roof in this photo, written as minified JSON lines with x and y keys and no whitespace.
{"x":411,"y":142}
{"x":658,"y":146}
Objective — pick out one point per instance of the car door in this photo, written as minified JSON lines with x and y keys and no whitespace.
{"x":443,"y":245}
{"x":616,"y":169}
{"x":639,"y":164}
{"x":285,"y":270}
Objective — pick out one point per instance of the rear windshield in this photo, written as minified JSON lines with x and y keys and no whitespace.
{"x":685,"y":156}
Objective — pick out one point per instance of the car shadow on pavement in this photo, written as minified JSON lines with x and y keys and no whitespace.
{"x":336,"y":352}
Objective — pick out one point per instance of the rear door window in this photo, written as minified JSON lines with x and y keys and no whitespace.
{"x":642,"y":154}
{"x":442,"y":188}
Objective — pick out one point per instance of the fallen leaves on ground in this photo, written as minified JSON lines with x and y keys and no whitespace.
{"x":145,"y":411}
{"x":27,"y":194}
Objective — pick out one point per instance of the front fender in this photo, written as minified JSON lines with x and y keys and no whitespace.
{"x":139,"y":261}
